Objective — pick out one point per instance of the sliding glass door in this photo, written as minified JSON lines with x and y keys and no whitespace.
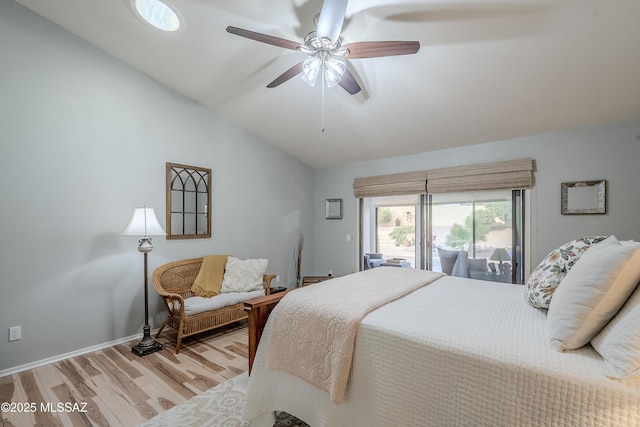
{"x":477,"y":235}
{"x":390,"y":230}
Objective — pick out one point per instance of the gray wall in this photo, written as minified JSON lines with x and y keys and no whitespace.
{"x":609,"y":152}
{"x":84,"y":139}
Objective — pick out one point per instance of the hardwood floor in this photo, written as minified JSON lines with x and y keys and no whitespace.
{"x":115,"y":388}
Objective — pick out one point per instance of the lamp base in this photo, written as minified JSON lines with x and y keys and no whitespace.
{"x":147,"y":345}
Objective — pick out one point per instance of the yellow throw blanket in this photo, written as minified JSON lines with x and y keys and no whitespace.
{"x":314,"y":328}
{"x":209,"y":279}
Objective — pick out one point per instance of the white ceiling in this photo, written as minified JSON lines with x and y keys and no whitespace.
{"x":486,"y":70}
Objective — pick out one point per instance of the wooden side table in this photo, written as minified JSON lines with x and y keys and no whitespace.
{"x":258,"y":310}
{"x":277,"y":289}
{"x":310,"y":280}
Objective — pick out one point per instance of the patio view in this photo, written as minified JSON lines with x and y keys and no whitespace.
{"x":479,"y":226}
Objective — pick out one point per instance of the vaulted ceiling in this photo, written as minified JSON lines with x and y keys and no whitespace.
{"x":486,"y":70}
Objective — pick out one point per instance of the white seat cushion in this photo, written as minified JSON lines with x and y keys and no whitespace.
{"x":196,"y":305}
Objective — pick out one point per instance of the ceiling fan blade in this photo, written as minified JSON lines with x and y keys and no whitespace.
{"x":331,"y":19}
{"x":290,"y":73}
{"x":377,"y":49}
{"x":264,"y":38}
{"x":349,"y":83}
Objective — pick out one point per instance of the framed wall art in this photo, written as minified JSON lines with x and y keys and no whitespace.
{"x":333,"y":209}
{"x":583,"y":197}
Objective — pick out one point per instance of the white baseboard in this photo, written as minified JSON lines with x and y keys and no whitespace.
{"x":53,"y":359}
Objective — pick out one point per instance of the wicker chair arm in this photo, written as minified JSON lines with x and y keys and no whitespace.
{"x":174,"y":303}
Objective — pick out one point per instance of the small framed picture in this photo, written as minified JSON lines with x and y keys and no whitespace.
{"x":583,"y":197}
{"x":333,"y":209}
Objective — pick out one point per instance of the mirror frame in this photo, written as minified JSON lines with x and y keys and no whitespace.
{"x":333,"y":209}
{"x":599,"y":208}
{"x":170,"y":173}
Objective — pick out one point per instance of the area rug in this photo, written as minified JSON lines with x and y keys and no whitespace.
{"x":220,"y":406}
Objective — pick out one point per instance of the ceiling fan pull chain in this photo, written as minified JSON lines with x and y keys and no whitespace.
{"x":322,"y":89}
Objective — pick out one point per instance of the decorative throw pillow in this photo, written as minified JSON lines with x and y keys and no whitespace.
{"x":549,"y":273}
{"x":619,"y":342}
{"x":593,"y":291}
{"x":244,"y":275}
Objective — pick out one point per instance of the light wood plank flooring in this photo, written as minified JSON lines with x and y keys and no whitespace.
{"x":121,"y":389}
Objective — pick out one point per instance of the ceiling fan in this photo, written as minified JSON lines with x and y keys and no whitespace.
{"x":326,"y":53}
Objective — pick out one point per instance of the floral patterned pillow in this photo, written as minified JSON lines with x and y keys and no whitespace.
{"x":549,"y":273}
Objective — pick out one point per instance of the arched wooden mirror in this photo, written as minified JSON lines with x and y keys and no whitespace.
{"x":188,"y":202}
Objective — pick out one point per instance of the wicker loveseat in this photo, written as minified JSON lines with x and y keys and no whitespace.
{"x":173,"y":282}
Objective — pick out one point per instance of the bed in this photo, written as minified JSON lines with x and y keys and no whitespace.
{"x":455,"y":352}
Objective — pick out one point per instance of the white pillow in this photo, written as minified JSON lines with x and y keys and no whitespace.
{"x":546,"y":277}
{"x":244,"y":275}
{"x":619,"y":342}
{"x":593,"y":291}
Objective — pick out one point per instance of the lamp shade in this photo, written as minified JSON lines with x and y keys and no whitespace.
{"x":144,"y":223}
{"x":500,"y":254}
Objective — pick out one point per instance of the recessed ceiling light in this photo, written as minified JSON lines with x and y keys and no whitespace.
{"x":157,"y":13}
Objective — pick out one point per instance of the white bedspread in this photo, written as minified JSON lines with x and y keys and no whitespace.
{"x":314,"y":328}
{"x":459,"y":352}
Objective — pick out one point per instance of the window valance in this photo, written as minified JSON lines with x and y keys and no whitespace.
{"x":504,"y":175}
{"x":391,"y":185}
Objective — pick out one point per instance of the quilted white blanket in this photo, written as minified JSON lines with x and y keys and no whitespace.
{"x":458,"y":352}
{"x":314,"y":328}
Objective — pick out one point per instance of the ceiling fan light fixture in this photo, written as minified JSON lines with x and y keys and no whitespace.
{"x":310,"y":70}
{"x":158,"y":14}
{"x":333,"y":71}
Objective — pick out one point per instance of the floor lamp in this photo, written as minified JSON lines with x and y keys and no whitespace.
{"x":144,"y":224}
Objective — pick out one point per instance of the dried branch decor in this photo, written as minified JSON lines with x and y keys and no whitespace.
{"x":297,"y":257}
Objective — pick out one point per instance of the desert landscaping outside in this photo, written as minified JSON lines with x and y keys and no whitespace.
{"x":443,"y":219}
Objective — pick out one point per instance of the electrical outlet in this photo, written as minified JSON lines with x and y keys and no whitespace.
{"x":15,"y":333}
